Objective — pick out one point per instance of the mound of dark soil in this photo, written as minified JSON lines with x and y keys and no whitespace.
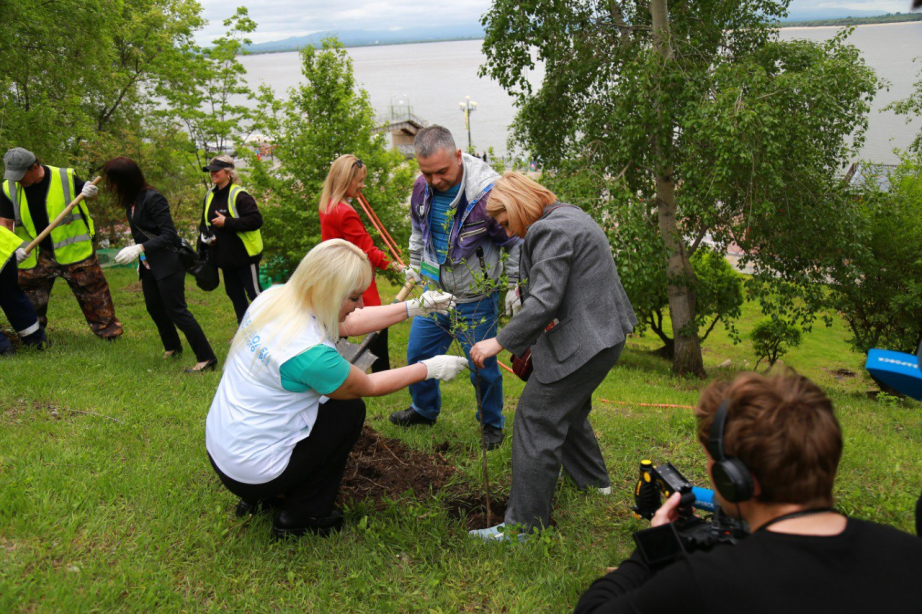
{"x":382,"y":470}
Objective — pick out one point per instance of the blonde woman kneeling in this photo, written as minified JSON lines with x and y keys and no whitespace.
{"x":288,"y":409}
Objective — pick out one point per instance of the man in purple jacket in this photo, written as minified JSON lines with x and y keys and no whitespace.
{"x":456,"y":247}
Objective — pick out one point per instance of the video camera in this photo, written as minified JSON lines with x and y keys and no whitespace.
{"x":660,"y":546}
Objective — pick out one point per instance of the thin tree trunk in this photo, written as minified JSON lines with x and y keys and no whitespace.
{"x":680,"y":278}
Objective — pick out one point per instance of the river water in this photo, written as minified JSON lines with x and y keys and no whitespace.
{"x":434,"y":77}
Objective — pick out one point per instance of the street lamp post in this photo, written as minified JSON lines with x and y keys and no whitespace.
{"x":468,"y":107}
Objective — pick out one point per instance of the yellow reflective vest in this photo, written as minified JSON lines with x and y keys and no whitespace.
{"x":9,"y":243}
{"x":72,"y":239}
{"x":252,"y":239}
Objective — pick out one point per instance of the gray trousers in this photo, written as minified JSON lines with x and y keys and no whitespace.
{"x":552,"y":428}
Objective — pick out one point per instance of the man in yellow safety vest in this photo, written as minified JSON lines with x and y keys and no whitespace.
{"x":32,"y":196}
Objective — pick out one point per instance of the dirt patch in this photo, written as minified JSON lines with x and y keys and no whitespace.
{"x":473,"y":510}
{"x":381,"y":470}
{"x":134,"y":287}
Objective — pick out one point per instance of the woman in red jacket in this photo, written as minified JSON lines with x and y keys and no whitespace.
{"x":338,"y":220}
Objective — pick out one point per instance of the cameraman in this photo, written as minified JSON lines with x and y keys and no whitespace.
{"x":772,"y":457}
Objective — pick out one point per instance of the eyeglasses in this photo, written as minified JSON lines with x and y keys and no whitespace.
{"x":358,"y":163}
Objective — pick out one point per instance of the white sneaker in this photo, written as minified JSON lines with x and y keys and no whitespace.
{"x":604,"y":491}
{"x":498,"y":534}
{"x":492,"y":534}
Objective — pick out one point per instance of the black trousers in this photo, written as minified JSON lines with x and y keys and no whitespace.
{"x":242,"y":286}
{"x":378,"y":347}
{"x":311,"y":480}
{"x":166,"y":303}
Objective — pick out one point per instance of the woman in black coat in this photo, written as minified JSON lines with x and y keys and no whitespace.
{"x":163,"y":278}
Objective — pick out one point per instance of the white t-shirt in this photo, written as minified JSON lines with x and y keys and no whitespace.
{"x":254,"y":422}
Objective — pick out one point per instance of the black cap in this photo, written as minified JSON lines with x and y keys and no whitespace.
{"x":217,"y":165}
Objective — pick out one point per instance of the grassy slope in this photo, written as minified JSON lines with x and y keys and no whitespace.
{"x":97,"y":513}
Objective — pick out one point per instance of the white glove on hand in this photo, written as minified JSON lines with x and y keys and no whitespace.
{"x":21,"y":255}
{"x":412,"y":274}
{"x":430,"y":302}
{"x":208,"y":240}
{"x":89,"y":190}
{"x":513,"y":302}
{"x":444,"y":368}
{"x":129,"y":254}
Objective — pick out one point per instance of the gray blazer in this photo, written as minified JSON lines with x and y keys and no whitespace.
{"x":568,"y":274}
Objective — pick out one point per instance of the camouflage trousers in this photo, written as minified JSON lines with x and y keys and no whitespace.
{"x":86,"y":281}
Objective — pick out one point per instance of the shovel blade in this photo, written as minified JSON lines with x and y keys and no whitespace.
{"x":349,"y":350}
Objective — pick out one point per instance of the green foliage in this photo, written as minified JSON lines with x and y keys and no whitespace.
{"x":719,"y":128}
{"x":205,"y":93}
{"x":772,"y":338}
{"x":878,"y":286}
{"x":325,"y":117}
{"x":77,"y":77}
{"x":912,"y":108}
{"x":76,"y":72}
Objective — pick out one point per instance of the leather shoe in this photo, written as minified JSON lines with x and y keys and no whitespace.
{"x":409,"y":417}
{"x":285,"y":524}
{"x":492,"y":437}
{"x":262,"y":506}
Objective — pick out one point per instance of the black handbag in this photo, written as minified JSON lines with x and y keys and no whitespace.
{"x":187,"y":256}
{"x":205,"y":270}
{"x":197,"y":264}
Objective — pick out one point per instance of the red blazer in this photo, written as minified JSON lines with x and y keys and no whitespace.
{"x":342,"y":222}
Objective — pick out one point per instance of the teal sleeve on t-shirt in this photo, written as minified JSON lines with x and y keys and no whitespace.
{"x":320,"y":368}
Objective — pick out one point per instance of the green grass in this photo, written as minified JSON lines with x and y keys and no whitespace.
{"x":117,"y":506}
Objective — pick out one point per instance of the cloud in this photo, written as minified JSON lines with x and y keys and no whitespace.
{"x":280,"y":19}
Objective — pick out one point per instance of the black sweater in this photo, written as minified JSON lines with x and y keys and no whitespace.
{"x":866,"y":568}
{"x":228,"y":250}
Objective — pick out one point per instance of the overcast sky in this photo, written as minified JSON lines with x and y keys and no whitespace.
{"x":279,"y":19}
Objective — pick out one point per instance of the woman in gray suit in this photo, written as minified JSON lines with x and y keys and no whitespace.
{"x":574,"y":318}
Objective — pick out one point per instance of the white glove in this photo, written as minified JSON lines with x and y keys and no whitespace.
{"x":89,"y":190}
{"x":444,"y":368}
{"x":513,"y":302}
{"x":129,"y":254}
{"x":21,"y":255}
{"x":412,"y":274}
{"x":208,"y":240}
{"x":430,"y":302}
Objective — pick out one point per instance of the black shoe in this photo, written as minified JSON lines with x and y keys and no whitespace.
{"x":492,"y":437}
{"x":410,"y":417}
{"x":286,"y":524}
{"x":209,"y":366}
{"x":10,"y":351}
{"x":176,"y":354}
{"x":263,"y":506}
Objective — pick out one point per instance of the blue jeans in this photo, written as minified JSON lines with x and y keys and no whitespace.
{"x":430,"y":337}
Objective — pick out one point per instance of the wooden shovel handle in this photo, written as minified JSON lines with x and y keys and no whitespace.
{"x":54,"y":223}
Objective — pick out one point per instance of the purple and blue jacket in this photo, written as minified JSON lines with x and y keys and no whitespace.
{"x":471,"y":228}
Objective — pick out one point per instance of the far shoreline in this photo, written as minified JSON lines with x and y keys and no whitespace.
{"x":468,"y":38}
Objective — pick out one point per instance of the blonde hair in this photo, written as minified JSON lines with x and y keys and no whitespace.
{"x":330,"y":272}
{"x":342,"y":172}
{"x":231,"y":172}
{"x":523,"y":200}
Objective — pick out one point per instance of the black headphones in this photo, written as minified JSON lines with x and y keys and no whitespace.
{"x":732,"y":478}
